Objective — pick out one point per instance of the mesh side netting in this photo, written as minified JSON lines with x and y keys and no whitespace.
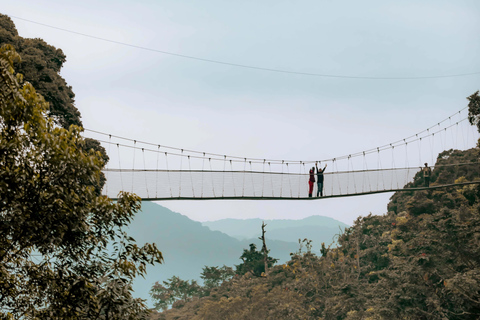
{"x":163,"y":184}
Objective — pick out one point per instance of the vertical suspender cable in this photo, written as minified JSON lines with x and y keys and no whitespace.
{"x":353,"y":176}
{"x":157,"y":172}
{"x":299,"y":177}
{"x":379,"y":170}
{"x":393,"y":171}
{"x":168,"y":175}
{"x":451,"y":131}
{"x":473,"y":131}
{"x":445,"y":147}
{"x":304,"y":170}
{"x":430,"y":145}
{"x":463,"y":138}
{"x":133,"y":165}
{"x":251,"y":174}
{"x":180,"y":175}
{"x":244,"y":173}
{"x":203,"y":173}
{"x":348,"y":171}
{"x":281,"y":182}
{"x":420,"y":152}
{"x":394,"y":167}
{"x":457,"y":137}
{"x":406,"y":163}
{"x":120,"y":166}
{"x":191,"y":178}
{"x":213,"y":181}
{"x":333,"y":175}
{"x":442,"y":145}
{"x":289,"y":182}
{"x":468,"y":137}
{"x":366,"y":173}
{"x":263,"y":176}
{"x":335,"y":165}
{"x":441,"y":142}
{"x":233,"y":179}
{"x":145,"y":171}
{"x":109,"y":143}
{"x":432,"y":148}
{"x":271,"y":178}
{"x":223,"y":175}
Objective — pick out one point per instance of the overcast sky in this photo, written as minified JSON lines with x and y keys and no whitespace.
{"x":187,"y":103}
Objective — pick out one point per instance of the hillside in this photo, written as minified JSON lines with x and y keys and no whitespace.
{"x":421,"y":260}
{"x":187,"y":246}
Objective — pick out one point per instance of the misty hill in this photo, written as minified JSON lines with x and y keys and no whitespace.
{"x":187,"y":246}
{"x":316,"y":228}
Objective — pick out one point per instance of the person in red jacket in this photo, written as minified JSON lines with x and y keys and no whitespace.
{"x":311,"y":181}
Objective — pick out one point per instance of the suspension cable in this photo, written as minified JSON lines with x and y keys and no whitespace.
{"x":215,"y":156}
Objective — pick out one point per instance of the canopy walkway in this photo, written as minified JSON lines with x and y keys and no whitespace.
{"x":157,"y":172}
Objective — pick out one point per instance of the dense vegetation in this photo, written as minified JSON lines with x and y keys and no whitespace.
{"x":63,"y":251}
{"x":40,"y":65}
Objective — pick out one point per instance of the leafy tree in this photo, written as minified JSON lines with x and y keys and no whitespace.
{"x":213,"y":277}
{"x":40,"y":65}
{"x":474,"y":110}
{"x":253,"y":262}
{"x":54,"y":262}
{"x":173,"y":290}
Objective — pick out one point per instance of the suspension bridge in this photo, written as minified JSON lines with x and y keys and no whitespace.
{"x":157,"y":172}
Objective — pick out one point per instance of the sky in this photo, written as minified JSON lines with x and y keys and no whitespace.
{"x":144,"y":89}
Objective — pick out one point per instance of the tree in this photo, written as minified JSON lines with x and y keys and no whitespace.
{"x":253,"y":262}
{"x":474,"y":110}
{"x":63,"y":254}
{"x":40,"y":65}
{"x":173,"y":290}
{"x":213,"y":277}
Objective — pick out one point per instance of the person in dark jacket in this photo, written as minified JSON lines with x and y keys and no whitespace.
{"x":320,"y":180}
{"x":427,"y":172}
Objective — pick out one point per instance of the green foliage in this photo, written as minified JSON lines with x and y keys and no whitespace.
{"x":474,"y":110}
{"x":173,"y":290}
{"x":213,"y":277}
{"x":41,"y":64}
{"x":253,"y":262}
{"x":56,"y":229}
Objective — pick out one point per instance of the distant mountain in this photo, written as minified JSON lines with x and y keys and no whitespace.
{"x":316,"y":228}
{"x":187,"y":246}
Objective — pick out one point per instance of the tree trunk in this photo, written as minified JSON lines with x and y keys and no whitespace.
{"x":264,"y":248}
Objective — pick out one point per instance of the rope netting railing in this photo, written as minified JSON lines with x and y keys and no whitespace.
{"x":158,"y":172}
{"x":256,"y":185}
